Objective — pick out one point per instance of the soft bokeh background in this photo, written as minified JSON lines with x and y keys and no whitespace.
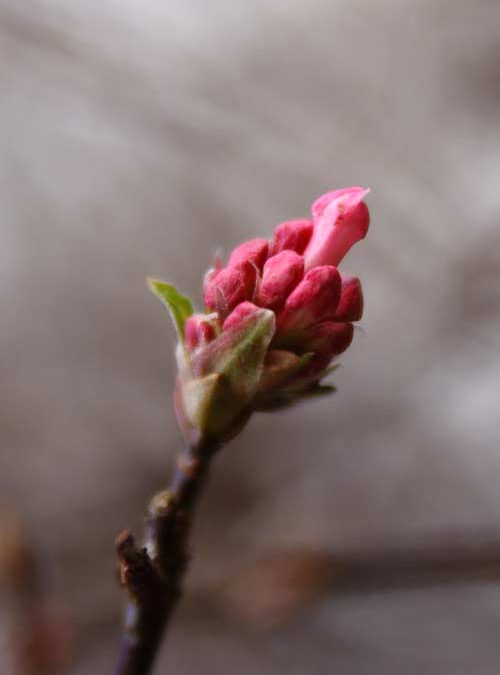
{"x":135,"y":139}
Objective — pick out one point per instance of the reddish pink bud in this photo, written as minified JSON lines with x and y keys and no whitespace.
{"x":341,"y":219}
{"x":253,"y":251}
{"x":229,"y":287}
{"x":328,"y":338}
{"x":207,"y":281}
{"x":197,"y":331}
{"x":351,"y":300}
{"x":239,"y":313}
{"x":281,"y":274}
{"x":292,"y":235}
{"x":315,"y":299}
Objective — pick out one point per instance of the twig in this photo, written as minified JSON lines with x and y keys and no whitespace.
{"x":153,"y":575}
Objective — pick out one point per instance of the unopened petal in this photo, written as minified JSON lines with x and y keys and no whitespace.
{"x":341,"y":219}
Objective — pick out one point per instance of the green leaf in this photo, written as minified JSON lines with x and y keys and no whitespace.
{"x":178,"y":305}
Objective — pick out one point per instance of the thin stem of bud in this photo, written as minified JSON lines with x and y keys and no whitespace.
{"x":153,"y":575}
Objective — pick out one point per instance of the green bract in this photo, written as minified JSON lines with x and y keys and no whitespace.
{"x":218,"y":382}
{"x":178,"y":305}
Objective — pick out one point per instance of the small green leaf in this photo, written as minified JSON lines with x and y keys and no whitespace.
{"x":178,"y":305}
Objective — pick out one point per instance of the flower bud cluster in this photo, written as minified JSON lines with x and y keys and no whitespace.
{"x":295,"y":276}
{"x":276,"y":315}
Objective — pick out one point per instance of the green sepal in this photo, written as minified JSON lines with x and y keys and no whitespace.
{"x":215,"y":390}
{"x":238,"y":354}
{"x":179,"y":306}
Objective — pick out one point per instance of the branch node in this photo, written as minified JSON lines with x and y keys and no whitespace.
{"x":137,"y":572}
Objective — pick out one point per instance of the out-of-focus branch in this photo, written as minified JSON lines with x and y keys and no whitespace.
{"x":282,"y":584}
{"x":153,"y":575}
{"x":41,"y":635}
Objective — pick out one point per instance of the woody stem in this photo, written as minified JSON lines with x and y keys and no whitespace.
{"x":153,"y":575}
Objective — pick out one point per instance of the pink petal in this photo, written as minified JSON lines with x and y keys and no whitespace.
{"x":353,"y":196}
{"x":341,"y":219}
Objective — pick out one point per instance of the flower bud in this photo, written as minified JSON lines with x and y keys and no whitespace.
{"x":315,"y":299}
{"x":198,"y":330}
{"x":351,"y":300}
{"x":341,"y":219}
{"x":328,"y":338}
{"x":293,"y":235}
{"x":239,"y":313}
{"x":282,"y":272}
{"x":253,"y":251}
{"x":276,"y":316}
{"x":229,"y":287}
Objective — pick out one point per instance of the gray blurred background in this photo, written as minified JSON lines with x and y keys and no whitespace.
{"x":136,"y":138}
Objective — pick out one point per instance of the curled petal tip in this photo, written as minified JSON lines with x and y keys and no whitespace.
{"x":350,"y":197}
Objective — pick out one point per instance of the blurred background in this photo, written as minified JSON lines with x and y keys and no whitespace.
{"x":136,"y":138}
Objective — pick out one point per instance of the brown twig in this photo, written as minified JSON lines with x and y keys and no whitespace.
{"x":153,"y":575}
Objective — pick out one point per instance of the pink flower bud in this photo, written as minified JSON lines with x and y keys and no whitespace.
{"x":315,"y":299}
{"x":253,"y":251}
{"x":341,"y":219}
{"x":328,"y":338}
{"x":292,"y":235}
{"x":197,"y":331}
{"x":212,"y":273}
{"x":351,"y":300}
{"x":282,"y":272}
{"x":229,"y":287}
{"x":239,"y":313}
